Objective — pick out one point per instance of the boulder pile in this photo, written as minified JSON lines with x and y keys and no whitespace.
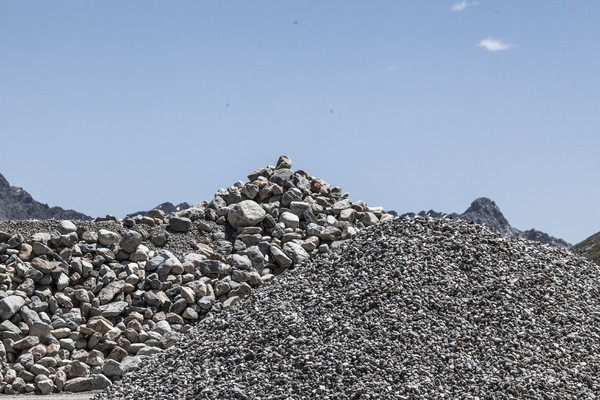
{"x":82,"y":303}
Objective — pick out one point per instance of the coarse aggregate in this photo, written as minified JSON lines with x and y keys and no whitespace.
{"x":84,"y":303}
{"x":409,"y":308}
{"x":180,"y":244}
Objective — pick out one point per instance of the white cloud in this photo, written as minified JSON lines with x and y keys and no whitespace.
{"x":462,"y":5}
{"x":396,"y":68}
{"x":495,"y":45}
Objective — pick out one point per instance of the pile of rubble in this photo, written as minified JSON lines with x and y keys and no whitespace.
{"x":416,"y":308}
{"x":81,"y":303}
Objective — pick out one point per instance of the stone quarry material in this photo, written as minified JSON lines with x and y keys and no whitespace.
{"x":10,"y":305}
{"x":180,"y":224}
{"x":414,"y":308}
{"x":81,"y":303}
{"x":130,"y":241}
{"x":245,"y":213}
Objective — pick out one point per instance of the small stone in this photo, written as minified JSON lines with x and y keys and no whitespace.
{"x":190,"y":313}
{"x":38,"y":369}
{"x":25,"y":251}
{"x":60,"y":379}
{"x":101,"y":382}
{"x":84,"y":384}
{"x":280,"y":257}
{"x":109,"y":292}
{"x":180,"y":224}
{"x":245,"y":213}
{"x":188,"y":294}
{"x":162,"y":327}
{"x":295,"y":252}
{"x":100,"y":324}
{"x":45,"y":386}
{"x":95,"y":358}
{"x":10,"y":305}
{"x":347,"y":214}
{"x":221,"y":287}
{"x":62,"y":281}
{"x":230,"y":301}
{"x":148,"y":351}
{"x":284,"y":162}
{"x":42,"y":265}
{"x":205,"y":302}
{"x":260,"y":172}
{"x":281,"y":176}
{"x":107,"y":238}
{"x":78,"y":369}
{"x":117,"y":354}
{"x":291,"y":196}
{"x":113,"y":309}
{"x":299,"y":207}
{"x":159,"y":239}
{"x":368,"y":218}
{"x":89,"y":237}
{"x":66,"y":226}
{"x":241,"y":291}
{"x":130,"y":241}
{"x":41,"y":249}
{"x":131,"y":363}
{"x":250,"y":190}
{"x":289,"y":220}
{"x":19,"y":385}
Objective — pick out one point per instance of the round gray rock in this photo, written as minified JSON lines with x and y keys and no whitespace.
{"x":245,"y":213}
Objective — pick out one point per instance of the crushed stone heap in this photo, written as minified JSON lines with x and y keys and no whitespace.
{"x":82,"y":303}
{"x":413,"y":308}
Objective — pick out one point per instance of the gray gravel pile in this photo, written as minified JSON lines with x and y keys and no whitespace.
{"x":82,"y":303}
{"x":413,"y":308}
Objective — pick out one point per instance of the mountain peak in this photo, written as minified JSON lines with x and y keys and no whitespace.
{"x":3,"y":182}
{"x":17,"y":204}
{"x":486,"y":212}
{"x":482,"y":202}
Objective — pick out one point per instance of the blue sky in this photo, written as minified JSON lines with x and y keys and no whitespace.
{"x":114,"y":107}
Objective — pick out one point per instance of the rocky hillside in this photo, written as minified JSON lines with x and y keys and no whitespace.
{"x":17,"y":204}
{"x":484,"y":211}
{"x":589,"y":248}
{"x":413,"y":308}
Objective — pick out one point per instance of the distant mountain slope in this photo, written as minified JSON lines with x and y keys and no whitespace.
{"x":589,"y":248}
{"x":167,"y":208}
{"x":484,"y":211}
{"x":17,"y":204}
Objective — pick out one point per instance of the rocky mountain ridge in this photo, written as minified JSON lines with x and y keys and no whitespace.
{"x":17,"y":204}
{"x":484,"y":211}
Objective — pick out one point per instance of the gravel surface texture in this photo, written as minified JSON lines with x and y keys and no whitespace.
{"x":413,"y":308}
{"x":54,"y":396}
